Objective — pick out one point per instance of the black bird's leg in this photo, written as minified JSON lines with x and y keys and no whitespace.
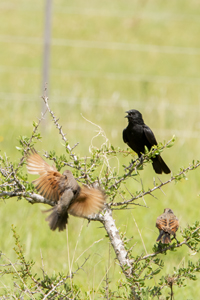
{"x":131,"y":164}
{"x":141,"y":159}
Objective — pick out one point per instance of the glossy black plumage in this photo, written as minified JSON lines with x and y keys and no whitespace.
{"x":137,"y":135}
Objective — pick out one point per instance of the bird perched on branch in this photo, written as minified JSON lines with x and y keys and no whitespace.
{"x":168,"y":224}
{"x":137,"y":135}
{"x":65,"y":191}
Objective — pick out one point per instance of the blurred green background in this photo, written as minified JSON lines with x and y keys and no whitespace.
{"x":106,"y":57}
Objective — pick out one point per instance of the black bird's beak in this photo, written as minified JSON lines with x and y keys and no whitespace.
{"x":127,"y":115}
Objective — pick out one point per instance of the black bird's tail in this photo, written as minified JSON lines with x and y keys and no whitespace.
{"x":159,"y":165}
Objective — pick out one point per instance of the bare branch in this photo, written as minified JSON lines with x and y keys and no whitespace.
{"x":45,"y":98}
{"x":185,"y":242}
{"x":150,"y":191}
{"x":64,"y":279}
{"x":27,"y":145}
{"x":30,"y":197}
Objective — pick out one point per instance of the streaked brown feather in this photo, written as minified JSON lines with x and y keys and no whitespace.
{"x":168,"y":224}
{"x":65,"y":190}
{"x":37,"y":165}
{"x":160,"y":223}
{"x":174,"y":224}
{"x":48,"y":185}
{"x":89,"y":201}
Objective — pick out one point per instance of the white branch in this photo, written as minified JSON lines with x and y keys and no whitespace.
{"x":30,"y":197}
{"x":122,"y":255}
{"x":116,"y":241}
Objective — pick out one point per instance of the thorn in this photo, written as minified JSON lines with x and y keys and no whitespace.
{"x":160,"y":180}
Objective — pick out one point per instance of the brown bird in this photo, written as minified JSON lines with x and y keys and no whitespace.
{"x":168,"y":224}
{"x":64,"y":190}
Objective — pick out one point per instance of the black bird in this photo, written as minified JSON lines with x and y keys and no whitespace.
{"x":137,"y":135}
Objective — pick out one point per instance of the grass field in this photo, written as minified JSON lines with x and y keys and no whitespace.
{"x":106,"y":58}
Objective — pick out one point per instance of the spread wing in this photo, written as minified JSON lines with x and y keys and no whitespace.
{"x":36,"y":164}
{"x":89,"y":201}
{"x":49,"y":184}
{"x":149,"y":135}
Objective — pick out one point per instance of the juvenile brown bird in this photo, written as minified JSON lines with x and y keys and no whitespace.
{"x":65,"y":191}
{"x":168,"y":224}
{"x":137,"y":135}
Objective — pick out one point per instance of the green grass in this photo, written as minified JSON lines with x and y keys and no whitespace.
{"x":99,"y":79}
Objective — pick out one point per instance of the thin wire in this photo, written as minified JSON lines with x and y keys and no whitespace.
{"x":107,"y":103}
{"x":103,"y":45}
{"x":104,"y":102}
{"x":106,"y":75}
{"x":161,"y":16}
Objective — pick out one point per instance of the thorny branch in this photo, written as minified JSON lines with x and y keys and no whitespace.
{"x":185,"y":242}
{"x":30,"y":197}
{"x":38,"y":285}
{"x":134,"y":165}
{"x":156,"y":187}
{"x":61,"y":282}
{"x":20,"y":189}
{"x":28,"y":144}
{"x":45,"y":98}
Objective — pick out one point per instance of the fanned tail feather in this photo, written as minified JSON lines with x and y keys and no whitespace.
{"x":57,"y":220}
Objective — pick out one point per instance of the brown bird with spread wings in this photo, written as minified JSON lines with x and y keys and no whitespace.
{"x":64,"y":190}
{"x":168,"y":224}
